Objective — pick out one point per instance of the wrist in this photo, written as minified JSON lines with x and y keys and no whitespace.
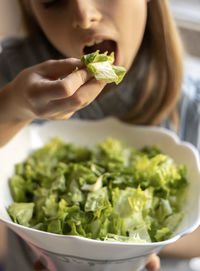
{"x":11,"y":107}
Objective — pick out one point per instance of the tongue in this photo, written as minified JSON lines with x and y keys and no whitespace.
{"x":106,"y":45}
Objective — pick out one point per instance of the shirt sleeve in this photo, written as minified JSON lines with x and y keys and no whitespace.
{"x":189,"y":111}
{"x":4,"y":73}
{"x":12,"y":59}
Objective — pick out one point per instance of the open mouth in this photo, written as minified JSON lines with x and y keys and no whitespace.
{"x":103,"y":46}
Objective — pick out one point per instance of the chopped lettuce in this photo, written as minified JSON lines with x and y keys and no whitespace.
{"x":111,"y":192}
{"x":21,"y":213}
{"x":101,"y":67}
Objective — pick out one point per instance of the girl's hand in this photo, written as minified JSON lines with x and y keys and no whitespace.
{"x":52,"y":90}
{"x":153,"y":263}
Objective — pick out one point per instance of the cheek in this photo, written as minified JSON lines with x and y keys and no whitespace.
{"x":51,"y":22}
{"x":136,"y":31}
{"x":135,"y":23}
{"x":137,"y":15}
{"x":55,"y":33}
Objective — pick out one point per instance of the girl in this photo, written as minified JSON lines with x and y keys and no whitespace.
{"x":145,"y":41}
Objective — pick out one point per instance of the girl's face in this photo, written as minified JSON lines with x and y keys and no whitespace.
{"x":77,"y":27}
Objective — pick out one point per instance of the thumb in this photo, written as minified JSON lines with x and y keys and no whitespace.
{"x":153,"y":263}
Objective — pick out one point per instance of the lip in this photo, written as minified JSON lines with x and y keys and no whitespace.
{"x":101,"y":37}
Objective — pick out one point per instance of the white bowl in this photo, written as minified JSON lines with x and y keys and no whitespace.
{"x":76,"y":253}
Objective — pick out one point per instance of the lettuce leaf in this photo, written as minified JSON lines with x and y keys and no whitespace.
{"x":21,"y":213}
{"x":101,"y":67}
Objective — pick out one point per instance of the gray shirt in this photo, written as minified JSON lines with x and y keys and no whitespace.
{"x":19,"y":54}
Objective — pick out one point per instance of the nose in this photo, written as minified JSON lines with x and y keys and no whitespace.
{"x":86,"y":14}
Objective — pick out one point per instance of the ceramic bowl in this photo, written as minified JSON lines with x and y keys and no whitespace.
{"x":74,"y":253}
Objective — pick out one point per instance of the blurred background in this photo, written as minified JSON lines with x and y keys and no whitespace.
{"x":10,"y":23}
{"x":187,"y":16}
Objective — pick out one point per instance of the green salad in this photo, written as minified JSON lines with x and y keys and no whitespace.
{"x":101,"y":67}
{"x":110,"y":192}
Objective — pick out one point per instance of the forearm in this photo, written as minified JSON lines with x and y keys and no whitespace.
{"x":10,"y":117}
{"x":186,"y":247}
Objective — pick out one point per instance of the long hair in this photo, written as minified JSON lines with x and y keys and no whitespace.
{"x":157,"y":69}
{"x":30,"y":27}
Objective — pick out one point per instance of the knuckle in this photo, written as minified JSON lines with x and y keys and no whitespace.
{"x":76,"y":62}
{"x":39,"y":112}
{"x":24,"y":73}
{"x":82,"y":76}
{"x":32,"y":93}
{"x":49,"y":62}
{"x":101,"y":84}
{"x":80,"y":102}
{"x":41,"y":68}
{"x":24,"y":76}
{"x":65,"y":88}
{"x":74,"y":59}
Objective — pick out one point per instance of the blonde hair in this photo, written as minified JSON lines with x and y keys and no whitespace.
{"x":158,"y":68}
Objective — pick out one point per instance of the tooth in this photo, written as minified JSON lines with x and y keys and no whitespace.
{"x":94,"y":42}
{"x":98,"y":41}
{"x":90,"y":43}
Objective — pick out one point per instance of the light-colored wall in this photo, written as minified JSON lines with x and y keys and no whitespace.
{"x":10,"y":22}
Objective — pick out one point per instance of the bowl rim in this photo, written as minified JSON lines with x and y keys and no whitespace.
{"x":105,"y":243}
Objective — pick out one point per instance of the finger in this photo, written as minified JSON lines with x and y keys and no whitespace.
{"x":55,"y":69}
{"x":46,"y":90}
{"x":38,"y":266}
{"x":86,"y":94}
{"x":153,"y":263}
{"x":81,"y":98}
